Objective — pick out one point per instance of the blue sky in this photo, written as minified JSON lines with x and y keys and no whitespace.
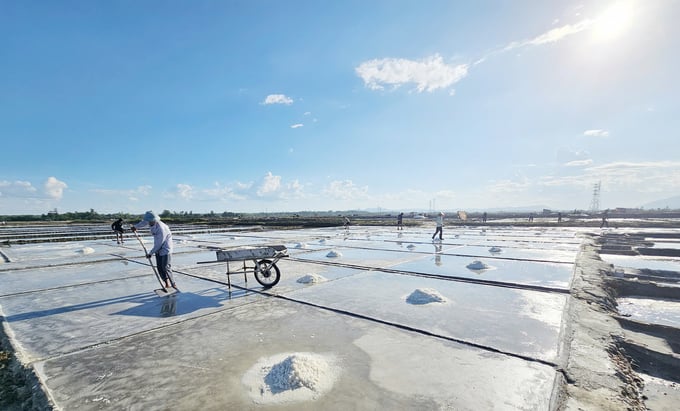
{"x":251,"y":106}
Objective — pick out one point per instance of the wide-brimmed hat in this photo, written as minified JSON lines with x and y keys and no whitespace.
{"x":150,"y":216}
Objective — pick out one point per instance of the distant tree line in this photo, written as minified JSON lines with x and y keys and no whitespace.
{"x":330,"y":215}
{"x":93,"y":216}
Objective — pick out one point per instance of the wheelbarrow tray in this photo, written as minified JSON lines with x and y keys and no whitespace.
{"x":254,"y":253}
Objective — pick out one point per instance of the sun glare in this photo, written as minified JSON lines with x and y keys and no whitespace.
{"x":614,"y":21}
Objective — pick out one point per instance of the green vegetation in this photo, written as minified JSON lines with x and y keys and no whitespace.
{"x":334,"y":218}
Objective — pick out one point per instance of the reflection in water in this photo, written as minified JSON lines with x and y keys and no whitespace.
{"x":437,"y":254}
{"x":169,"y":306}
{"x":399,"y":243}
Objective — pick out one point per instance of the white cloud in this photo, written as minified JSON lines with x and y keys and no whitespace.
{"x":660,"y":176}
{"x":221,"y":193}
{"x":271,"y":184}
{"x":131,"y":195}
{"x":294,"y":190}
{"x":278,"y":99}
{"x":643,"y":177}
{"x":297,"y":125}
{"x":54,"y":188}
{"x":184,"y":191}
{"x":579,"y":163}
{"x":17,"y":188}
{"x":428,"y":74}
{"x":345,"y":190}
{"x":508,"y":186}
{"x":551,"y":36}
{"x":243,"y":186}
{"x":596,"y":133}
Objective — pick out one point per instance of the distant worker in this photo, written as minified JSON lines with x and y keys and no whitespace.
{"x":117,"y":228}
{"x":604,"y":220}
{"x":346,"y":223}
{"x":400,"y":221}
{"x":484,"y":217}
{"x":440,"y":227}
{"x":162,"y":245}
{"x":559,"y":218}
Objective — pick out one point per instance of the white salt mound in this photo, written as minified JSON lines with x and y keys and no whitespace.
{"x":300,"y":245}
{"x":411,"y":246}
{"x":477,"y":265}
{"x":334,"y":253}
{"x":311,"y":279}
{"x":290,"y":378}
{"x":495,"y":250}
{"x":86,"y":250}
{"x":425,"y":296}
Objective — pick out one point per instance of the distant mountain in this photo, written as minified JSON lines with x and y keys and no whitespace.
{"x":672,"y":203}
{"x":520,"y":209}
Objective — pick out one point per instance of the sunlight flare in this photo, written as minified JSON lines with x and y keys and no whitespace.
{"x":614,"y":21}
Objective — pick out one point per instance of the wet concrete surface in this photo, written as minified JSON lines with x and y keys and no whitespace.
{"x":99,"y":338}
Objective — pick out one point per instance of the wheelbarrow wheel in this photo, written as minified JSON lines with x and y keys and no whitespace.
{"x":266,"y":273}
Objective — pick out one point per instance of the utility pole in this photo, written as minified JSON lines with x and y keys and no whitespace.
{"x":595,"y":202}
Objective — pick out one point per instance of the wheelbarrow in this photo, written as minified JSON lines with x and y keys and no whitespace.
{"x":263,"y":261}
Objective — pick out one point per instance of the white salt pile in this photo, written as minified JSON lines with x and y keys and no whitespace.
{"x":291,"y":378}
{"x":300,"y":245}
{"x":425,"y":296}
{"x":410,"y":246}
{"x":86,"y":250}
{"x":495,"y":250}
{"x":334,"y":253}
{"x":478,"y":265}
{"x":311,"y":279}
{"x":322,"y":241}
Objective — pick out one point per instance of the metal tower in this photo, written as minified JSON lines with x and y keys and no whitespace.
{"x":595,"y":203}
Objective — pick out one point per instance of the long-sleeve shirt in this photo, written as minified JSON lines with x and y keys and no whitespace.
{"x":440,"y":221}
{"x":162,"y":237}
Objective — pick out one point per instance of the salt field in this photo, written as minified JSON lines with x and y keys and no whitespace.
{"x":368,"y":318}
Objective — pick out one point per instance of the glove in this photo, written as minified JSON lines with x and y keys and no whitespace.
{"x":148,"y":256}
